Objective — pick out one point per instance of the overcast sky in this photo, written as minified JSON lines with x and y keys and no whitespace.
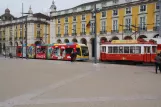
{"x":15,"y":6}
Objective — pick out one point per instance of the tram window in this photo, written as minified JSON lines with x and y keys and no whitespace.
{"x":138,"y":50}
{"x":103,"y":48}
{"x":132,"y":49}
{"x":78,"y":51}
{"x":115,"y":49}
{"x":121,"y":49}
{"x":85,"y":51}
{"x":126,"y":49}
{"x":109,"y":49}
{"x":69,"y":50}
{"x":148,"y":50}
{"x":154,"y":49}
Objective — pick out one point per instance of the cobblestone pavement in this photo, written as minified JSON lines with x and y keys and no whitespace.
{"x":46,"y":83}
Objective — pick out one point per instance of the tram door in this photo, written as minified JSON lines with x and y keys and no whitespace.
{"x":147,"y":54}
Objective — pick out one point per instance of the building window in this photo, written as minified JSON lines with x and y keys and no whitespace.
{"x":157,"y":20}
{"x":103,"y":25}
{"x":66,"y":29}
{"x":104,"y":14}
{"x":74,"y":28}
{"x":128,"y":10}
{"x":38,"y":33}
{"x":20,"y":33}
{"x":38,"y":25}
{"x":115,"y":12}
{"x":66,"y":19}
{"x":83,"y":17}
{"x":142,"y":23}
{"x":115,"y":25}
{"x":74,"y":18}
{"x":92,"y":27}
{"x":21,"y":25}
{"x":58,"y":29}
{"x":83,"y":28}
{"x":128,"y":23}
{"x":142,"y":8}
{"x":58,"y":20}
{"x":92,"y":16}
{"x":157,"y":6}
{"x":115,"y":1}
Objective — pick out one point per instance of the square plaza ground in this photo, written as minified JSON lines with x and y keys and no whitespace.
{"x":43,"y":83}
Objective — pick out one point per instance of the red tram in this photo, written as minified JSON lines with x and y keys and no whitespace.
{"x":128,"y":50}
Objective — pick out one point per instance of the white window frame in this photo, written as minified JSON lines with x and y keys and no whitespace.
{"x":66,"y":31}
{"x":92,"y":24}
{"x":156,"y":7}
{"x":84,"y":17}
{"x":102,"y":14}
{"x":130,"y":10}
{"x":140,"y":25}
{"x":83,"y":30}
{"x":58,"y":30}
{"x":113,"y":24}
{"x":113,"y":12}
{"x":103,"y":25}
{"x":74,"y":29}
{"x":156,"y":20}
{"x":140,"y":8}
{"x":66,"y":19}
{"x":75,"y":18}
{"x":128,"y":24}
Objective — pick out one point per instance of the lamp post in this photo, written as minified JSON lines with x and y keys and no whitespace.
{"x":160,"y":18}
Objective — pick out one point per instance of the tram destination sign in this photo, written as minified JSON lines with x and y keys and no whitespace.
{"x":124,"y":41}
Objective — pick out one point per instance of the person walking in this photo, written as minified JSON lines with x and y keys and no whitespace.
{"x":158,"y":63}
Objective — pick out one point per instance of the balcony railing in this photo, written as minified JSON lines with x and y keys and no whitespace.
{"x":83,"y":33}
{"x":92,"y":33}
{"x":127,"y":30}
{"x":103,"y":32}
{"x":66,"y":34}
{"x":74,"y":34}
{"x":58,"y":35}
{"x":114,"y":31}
{"x":142,"y":29}
{"x":156,"y":28}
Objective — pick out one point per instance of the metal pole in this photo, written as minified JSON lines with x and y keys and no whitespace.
{"x":160,"y":18}
{"x":22,"y":30}
{"x":122,"y":29}
{"x":135,"y":28}
{"x":95,"y":44}
{"x":26,"y":39}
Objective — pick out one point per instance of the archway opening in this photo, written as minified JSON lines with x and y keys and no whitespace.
{"x":59,"y":41}
{"x":103,"y":39}
{"x":66,"y":41}
{"x":156,"y":36}
{"x":74,"y":41}
{"x":38,"y":43}
{"x":16,"y":43}
{"x":114,"y":38}
{"x":92,"y":40}
{"x":128,"y":38}
{"x":142,"y":37}
{"x":84,"y":41}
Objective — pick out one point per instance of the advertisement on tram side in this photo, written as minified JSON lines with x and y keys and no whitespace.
{"x":31,"y":51}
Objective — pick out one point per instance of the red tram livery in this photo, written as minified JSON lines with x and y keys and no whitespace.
{"x":129,"y":50}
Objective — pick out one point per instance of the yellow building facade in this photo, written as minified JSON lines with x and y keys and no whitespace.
{"x":13,"y":30}
{"x":115,"y":20}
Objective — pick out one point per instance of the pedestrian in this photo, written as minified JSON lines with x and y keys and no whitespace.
{"x":158,"y":63}
{"x":72,"y":56}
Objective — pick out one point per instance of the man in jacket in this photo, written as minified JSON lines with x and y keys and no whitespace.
{"x":158,"y":63}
